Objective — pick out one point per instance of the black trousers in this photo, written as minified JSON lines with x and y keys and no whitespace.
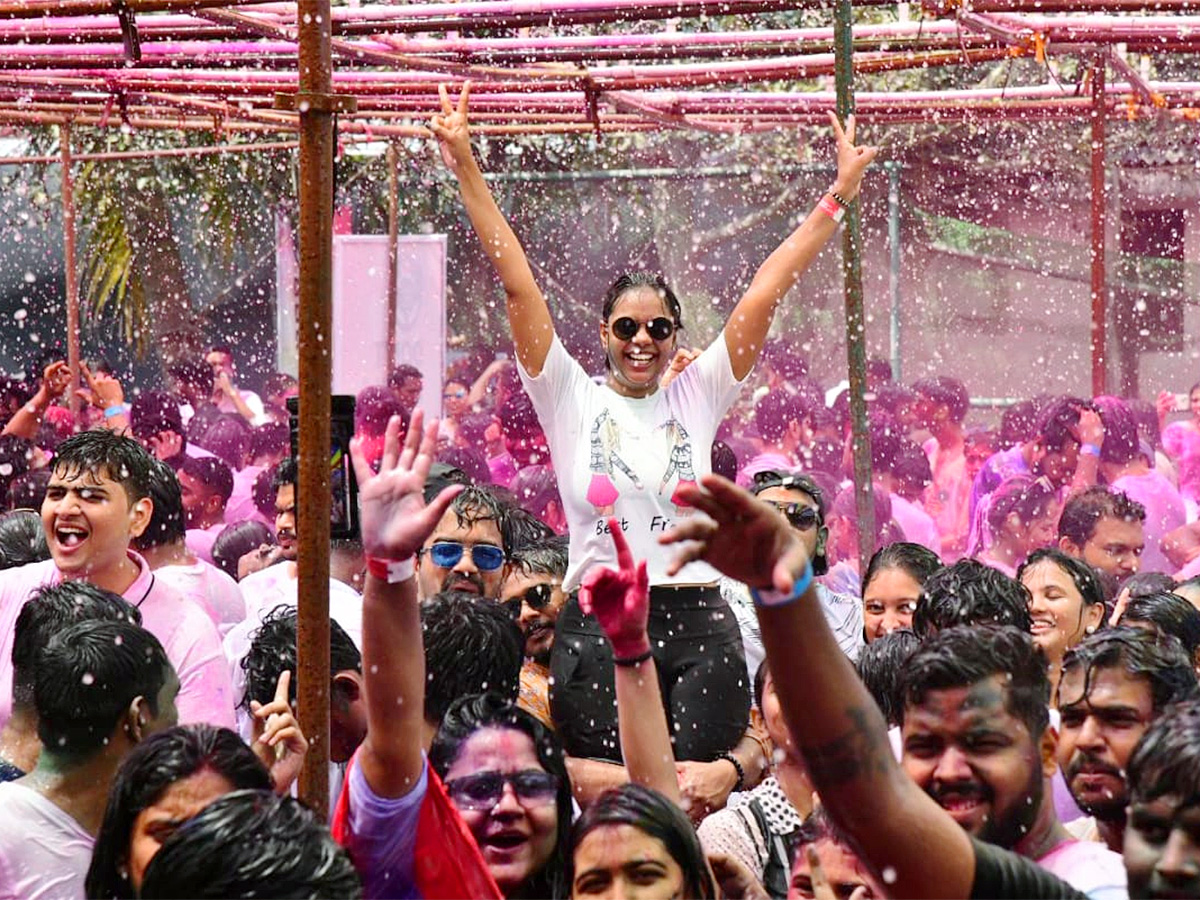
{"x":701,"y":668}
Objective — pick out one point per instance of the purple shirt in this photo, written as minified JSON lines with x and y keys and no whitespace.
{"x":187,"y":634}
{"x":382,"y":835}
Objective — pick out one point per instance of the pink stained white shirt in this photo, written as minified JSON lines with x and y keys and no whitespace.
{"x":187,"y":634}
{"x":215,"y":592}
{"x":200,"y":540}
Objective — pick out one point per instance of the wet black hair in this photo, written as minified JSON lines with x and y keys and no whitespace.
{"x":519,"y":528}
{"x":228,"y":437}
{"x":636,"y":280}
{"x":1085,"y":578}
{"x":273,"y":652}
{"x":948,"y":392}
{"x":653,"y":814}
{"x":970,"y":593}
{"x":546,"y":557}
{"x":968,"y":654}
{"x":776,"y":411}
{"x":213,"y":473}
{"x":471,"y":645}
{"x":1158,"y":658}
{"x":29,"y":490}
{"x":166,"y":525}
{"x":373,"y":409}
{"x":910,"y":465}
{"x":1017,"y":424}
{"x":469,"y":460}
{"x":194,"y":373}
{"x":1120,"y":430}
{"x":153,"y":412}
{"x":1166,"y":761}
{"x":235,"y":541}
{"x":16,"y":453}
{"x":285,"y":473}
{"x":442,"y":476}
{"x":269,"y":438}
{"x":145,"y":775}
{"x":402,"y":373}
{"x":879,"y":664}
{"x":53,"y":609}
{"x":1170,"y":614}
{"x":1057,"y":420}
{"x":723,"y":460}
{"x":85,"y":679}
{"x":251,"y":844}
{"x":915,"y":560}
{"x":22,"y":539}
{"x":1142,"y":583}
{"x":535,"y":487}
{"x":106,"y":453}
{"x":471,"y":714}
{"x":1029,"y":498}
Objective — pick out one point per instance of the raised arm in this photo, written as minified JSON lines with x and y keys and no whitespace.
{"x":528,"y":314}
{"x":395,"y":522}
{"x":832,"y":718}
{"x":747,"y":327}
{"x":26,"y":420}
{"x":620,"y":601}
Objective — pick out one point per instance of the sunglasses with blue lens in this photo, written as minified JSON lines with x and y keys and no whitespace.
{"x":446,"y":555}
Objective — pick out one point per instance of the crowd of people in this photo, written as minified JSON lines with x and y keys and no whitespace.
{"x":604,"y":634}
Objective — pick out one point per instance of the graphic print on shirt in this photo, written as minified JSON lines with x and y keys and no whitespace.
{"x":605,"y":442}
{"x":680,"y":461}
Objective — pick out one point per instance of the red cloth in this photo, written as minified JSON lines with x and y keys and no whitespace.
{"x":447,"y":864}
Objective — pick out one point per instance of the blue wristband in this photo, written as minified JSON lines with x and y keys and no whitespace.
{"x":117,"y":410}
{"x":1089,"y":449}
{"x":770,"y":597}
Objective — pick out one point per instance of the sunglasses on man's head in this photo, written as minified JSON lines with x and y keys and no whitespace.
{"x":800,"y":517}
{"x":446,"y":554}
{"x":482,"y":791}
{"x":659,"y":328}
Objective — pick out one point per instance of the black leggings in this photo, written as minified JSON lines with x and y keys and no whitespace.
{"x":701,"y":669}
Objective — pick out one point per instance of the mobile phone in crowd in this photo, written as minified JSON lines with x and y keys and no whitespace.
{"x":1183,"y":403}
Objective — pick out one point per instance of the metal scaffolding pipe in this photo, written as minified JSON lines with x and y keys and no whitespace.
{"x":1099,"y":202}
{"x":72,"y":278}
{"x":315,"y":352}
{"x":856,"y":334}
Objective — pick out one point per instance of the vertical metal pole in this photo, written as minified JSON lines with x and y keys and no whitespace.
{"x":312,"y":489}
{"x":1099,"y":204}
{"x":68,"y":202}
{"x":894,"y":337}
{"x":856,"y":338}
{"x":393,"y":249}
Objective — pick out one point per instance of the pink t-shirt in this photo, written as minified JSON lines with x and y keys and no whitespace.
{"x":1088,"y":867}
{"x":1164,"y":513}
{"x":240,"y":507}
{"x":216,"y":593}
{"x":184,"y":629}
{"x":200,"y":540}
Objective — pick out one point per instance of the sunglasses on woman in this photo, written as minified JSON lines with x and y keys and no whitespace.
{"x":482,"y":791}
{"x":659,"y":328}
{"x":800,"y":517}
{"x":446,"y":554}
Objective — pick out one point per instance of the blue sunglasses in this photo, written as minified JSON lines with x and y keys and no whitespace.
{"x":446,"y":555}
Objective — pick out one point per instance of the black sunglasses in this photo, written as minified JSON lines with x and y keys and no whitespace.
{"x":659,"y":328}
{"x":538,"y":597}
{"x":800,"y":517}
{"x":483,"y":790}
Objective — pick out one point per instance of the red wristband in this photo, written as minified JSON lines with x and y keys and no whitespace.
{"x":390,"y":570}
{"x":832,"y":208}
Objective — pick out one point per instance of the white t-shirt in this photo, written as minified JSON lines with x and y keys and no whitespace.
{"x":44,"y":853}
{"x":1088,"y":867}
{"x":625,"y":457}
{"x":267,"y":589}
{"x":217,"y":593}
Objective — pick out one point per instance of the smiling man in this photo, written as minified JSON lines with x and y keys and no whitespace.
{"x":466,"y":550}
{"x":1113,"y":686}
{"x":977,"y":739}
{"x":97,"y":501}
{"x":534,"y":590}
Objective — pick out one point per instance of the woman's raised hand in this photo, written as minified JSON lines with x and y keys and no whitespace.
{"x":852,"y":161}
{"x":450,"y":128}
